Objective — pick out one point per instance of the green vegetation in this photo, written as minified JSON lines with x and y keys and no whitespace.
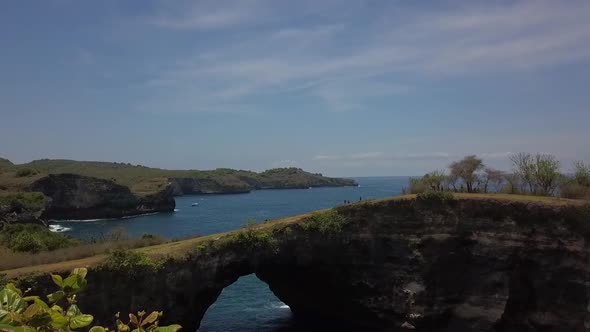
{"x":578,"y":185}
{"x":33,"y":238}
{"x":20,"y":313}
{"x":23,"y":172}
{"x":252,"y":238}
{"x":131,"y":263}
{"x":26,"y":201}
{"x":325,"y":222}
{"x":435,"y":196}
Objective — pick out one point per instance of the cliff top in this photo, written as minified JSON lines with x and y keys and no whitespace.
{"x":144,"y":180}
{"x":519,"y":205}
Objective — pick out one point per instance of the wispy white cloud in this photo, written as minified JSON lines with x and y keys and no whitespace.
{"x":206,"y":14}
{"x":343,"y":66}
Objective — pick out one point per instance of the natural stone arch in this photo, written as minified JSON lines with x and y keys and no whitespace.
{"x":467,"y":265}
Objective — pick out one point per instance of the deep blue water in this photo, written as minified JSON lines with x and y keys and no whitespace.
{"x":248,"y":304}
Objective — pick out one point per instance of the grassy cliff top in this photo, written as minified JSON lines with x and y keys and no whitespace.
{"x":181,"y":248}
{"x":142,"y":179}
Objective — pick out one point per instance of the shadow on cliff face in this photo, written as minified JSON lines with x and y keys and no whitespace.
{"x":248,"y":305}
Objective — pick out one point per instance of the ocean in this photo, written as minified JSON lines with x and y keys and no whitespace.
{"x":248,"y":304}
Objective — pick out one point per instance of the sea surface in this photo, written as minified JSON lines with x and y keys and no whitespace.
{"x":248,"y":304}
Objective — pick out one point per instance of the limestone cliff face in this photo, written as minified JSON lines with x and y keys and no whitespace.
{"x":82,"y":197}
{"x":464,"y":265}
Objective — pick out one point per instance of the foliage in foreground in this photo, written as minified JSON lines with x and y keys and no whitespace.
{"x":132,"y":264}
{"x":20,"y":313}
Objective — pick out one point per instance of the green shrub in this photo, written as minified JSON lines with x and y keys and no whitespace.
{"x":26,"y":243}
{"x":19,"y":313}
{"x":435,"y":196}
{"x":329,"y":221}
{"x":24,"y":172}
{"x":29,"y":201}
{"x":33,"y":238}
{"x":252,"y":238}
{"x":132,"y":264}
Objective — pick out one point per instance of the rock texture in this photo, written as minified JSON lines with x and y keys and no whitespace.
{"x":15,"y":213}
{"x":81,"y":197}
{"x":398,"y":265}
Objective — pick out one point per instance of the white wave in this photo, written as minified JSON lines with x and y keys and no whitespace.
{"x":284,"y":306}
{"x":84,"y":220}
{"x":59,"y":228}
{"x":105,"y":219}
{"x":176,"y":210}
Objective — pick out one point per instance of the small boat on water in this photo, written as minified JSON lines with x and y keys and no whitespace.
{"x":195,"y":204}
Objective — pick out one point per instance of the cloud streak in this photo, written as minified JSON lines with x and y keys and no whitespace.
{"x":342,"y":67}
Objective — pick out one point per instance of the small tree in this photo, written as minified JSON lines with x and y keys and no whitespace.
{"x":546,"y":173}
{"x":524,"y":168}
{"x":466,"y":169}
{"x":434,"y":180}
{"x":582,"y":173}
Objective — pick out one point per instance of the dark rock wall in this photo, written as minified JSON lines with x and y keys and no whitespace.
{"x":82,"y":197}
{"x":467,"y":265}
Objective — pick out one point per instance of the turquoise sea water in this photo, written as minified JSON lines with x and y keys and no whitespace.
{"x":248,"y":304}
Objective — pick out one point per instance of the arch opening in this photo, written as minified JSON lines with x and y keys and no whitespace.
{"x":246,"y":305}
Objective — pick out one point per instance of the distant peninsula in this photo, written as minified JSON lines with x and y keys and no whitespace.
{"x":69,"y":189}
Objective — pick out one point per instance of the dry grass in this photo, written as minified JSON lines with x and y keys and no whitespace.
{"x":12,"y":260}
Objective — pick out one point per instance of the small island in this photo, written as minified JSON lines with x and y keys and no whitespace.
{"x":69,"y":189}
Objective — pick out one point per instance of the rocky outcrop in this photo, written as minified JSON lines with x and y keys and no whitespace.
{"x":81,"y":197}
{"x":15,"y":212}
{"x":469,"y":264}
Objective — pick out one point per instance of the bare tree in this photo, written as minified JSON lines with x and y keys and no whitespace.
{"x":493,"y":177}
{"x":466,"y":169}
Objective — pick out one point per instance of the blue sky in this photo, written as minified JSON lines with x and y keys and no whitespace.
{"x":346,"y":88}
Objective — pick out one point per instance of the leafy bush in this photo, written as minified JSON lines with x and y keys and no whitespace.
{"x":24,"y":172}
{"x":132,"y":264}
{"x":252,"y":238}
{"x":435,"y":196}
{"x":329,"y":221}
{"x":60,"y":313}
{"x":33,"y":238}
{"x":29,"y":201}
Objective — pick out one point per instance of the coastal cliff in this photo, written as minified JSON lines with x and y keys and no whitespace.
{"x":473,"y":263}
{"x":91,"y":189}
{"x":73,"y":196}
